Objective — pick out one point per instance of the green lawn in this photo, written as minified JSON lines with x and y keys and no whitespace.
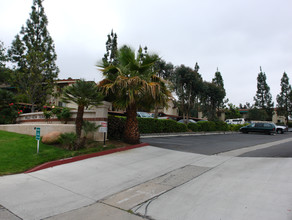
{"x":18,"y":152}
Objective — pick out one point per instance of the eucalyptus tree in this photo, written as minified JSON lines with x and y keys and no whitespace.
{"x":131,"y":84}
{"x":211,"y":97}
{"x":187,"y":84}
{"x":164,"y":71}
{"x":283,"y":101}
{"x":33,"y":55}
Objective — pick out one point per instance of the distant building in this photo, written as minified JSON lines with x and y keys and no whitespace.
{"x":55,"y":99}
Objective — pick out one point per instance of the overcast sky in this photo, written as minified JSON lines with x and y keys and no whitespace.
{"x":236,"y":36}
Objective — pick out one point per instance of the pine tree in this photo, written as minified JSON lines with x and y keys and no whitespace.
{"x":263,"y":97}
{"x":218,"y":81}
{"x":33,"y":54}
{"x":2,"y":55}
{"x":5,"y":72}
{"x":110,"y":57}
{"x":283,"y":100}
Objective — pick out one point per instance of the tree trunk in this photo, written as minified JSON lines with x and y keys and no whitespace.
{"x":156,"y":111}
{"x":78,"y":123}
{"x":131,"y":133}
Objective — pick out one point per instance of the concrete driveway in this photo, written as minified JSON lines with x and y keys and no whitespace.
{"x":154,"y":183}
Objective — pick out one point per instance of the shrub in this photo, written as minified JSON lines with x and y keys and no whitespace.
{"x":116,"y":126}
{"x":47,"y":114}
{"x":64,"y":115}
{"x":221,"y":126}
{"x":290,"y":124}
{"x":68,"y":140}
{"x":172,"y":126}
{"x":232,"y":127}
{"x":56,"y":110}
{"x":8,"y":112}
{"x":206,"y":125}
{"x":89,"y":127}
{"x":149,"y":125}
{"x":194,"y":126}
{"x":8,"y":115}
{"x":152,"y":125}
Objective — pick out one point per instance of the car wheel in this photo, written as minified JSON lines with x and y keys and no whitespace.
{"x":280,"y":131}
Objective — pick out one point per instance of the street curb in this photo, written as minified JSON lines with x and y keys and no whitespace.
{"x":182,"y":134}
{"x":83,"y":157}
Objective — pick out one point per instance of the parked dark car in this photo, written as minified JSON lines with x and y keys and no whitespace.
{"x":267,"y":128}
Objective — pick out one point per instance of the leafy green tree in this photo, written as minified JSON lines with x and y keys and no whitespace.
{"x":263,"y":97}
{"x":257,"y":114}
{"x":164,"y":70}
{"x":245,"y":106}
{"x":188,"y":85}
{"x":84,"y":94}
{"x":232,"y":112}
{"x":33,"y":55}
{"x":131,"y":83}
{"x":283,"y":102}
{"x":211,"y":97}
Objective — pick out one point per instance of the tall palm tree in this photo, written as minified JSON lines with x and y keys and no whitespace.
{"x":84,"y":94}
{"x":131,"y":84}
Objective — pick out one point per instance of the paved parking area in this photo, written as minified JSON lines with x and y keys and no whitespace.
{"x":217,"y":143}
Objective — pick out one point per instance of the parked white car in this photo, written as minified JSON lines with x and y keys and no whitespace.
{"x":235,"y":121}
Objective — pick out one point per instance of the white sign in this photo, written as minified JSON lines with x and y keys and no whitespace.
{"x":103,"y":127}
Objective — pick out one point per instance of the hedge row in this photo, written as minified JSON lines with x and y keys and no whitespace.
{"x":116,"y":126}
{"x":213,"y":126}
{"x":152,"y":125}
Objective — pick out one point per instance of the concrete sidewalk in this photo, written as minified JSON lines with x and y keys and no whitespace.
{"x":153,"y":183}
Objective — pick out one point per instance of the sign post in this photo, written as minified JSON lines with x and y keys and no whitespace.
{"x":103,"y":129}
{"x":38,"y":137}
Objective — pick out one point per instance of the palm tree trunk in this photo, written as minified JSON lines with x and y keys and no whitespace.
{"x":79,"y":122}
{"x":131,"y":133}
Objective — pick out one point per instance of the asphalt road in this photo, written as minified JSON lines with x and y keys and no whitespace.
{"x":215,"y":144}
